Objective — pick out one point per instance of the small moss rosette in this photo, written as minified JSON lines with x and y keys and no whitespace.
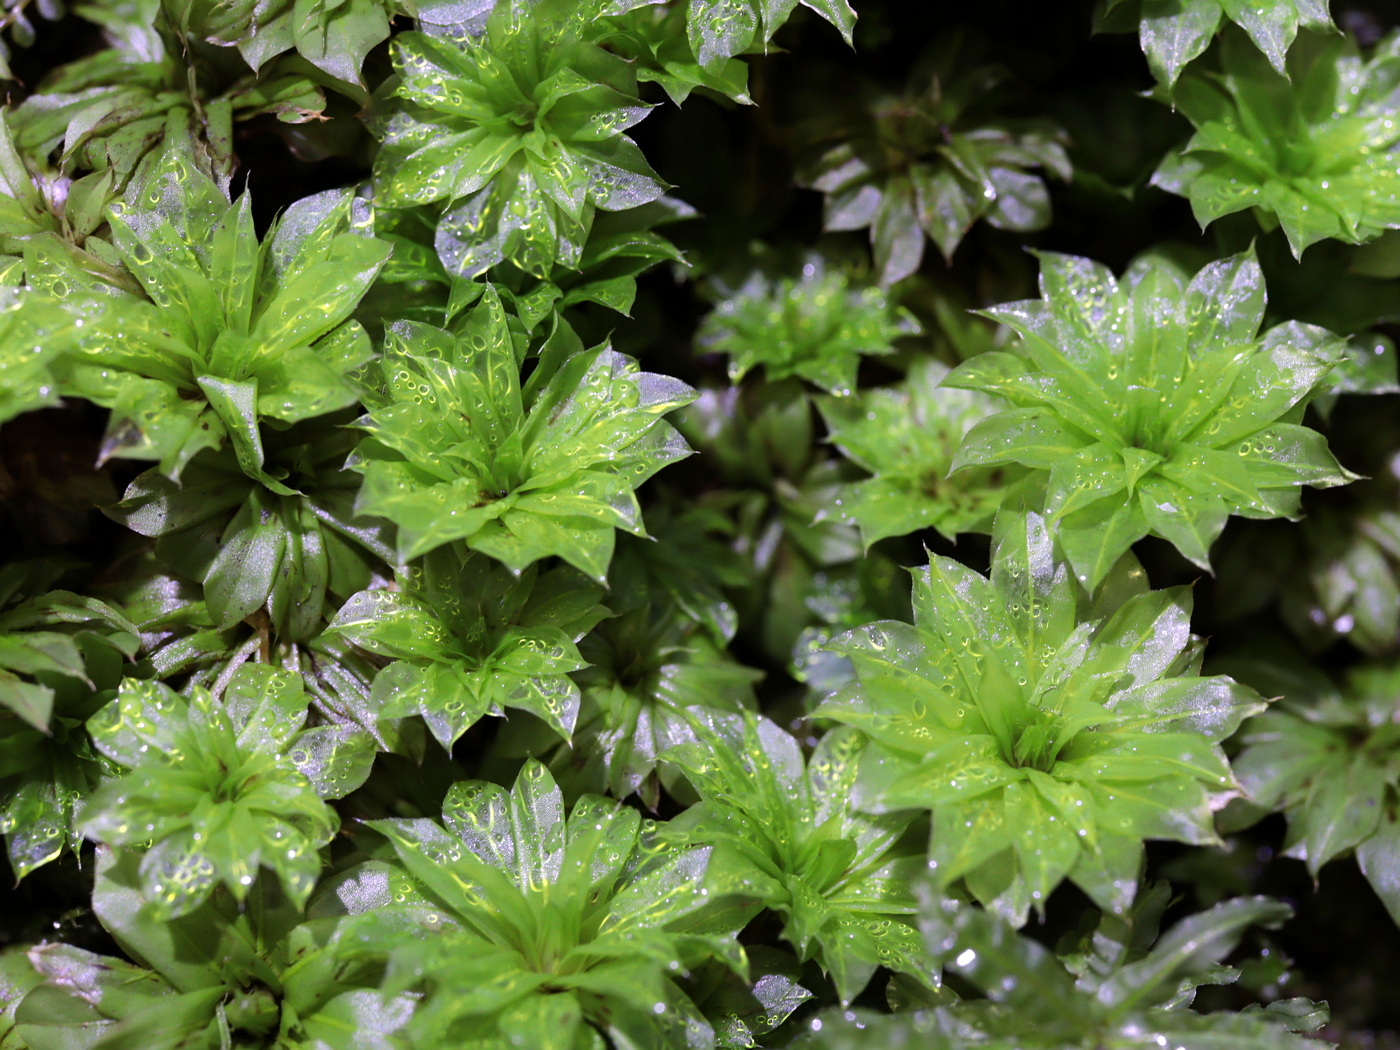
{"x":1151,"y":404}
{"x":1049,"y":730}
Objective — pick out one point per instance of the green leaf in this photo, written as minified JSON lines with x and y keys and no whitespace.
{"x":1189,"y":947}
{"x":930,"y":161}
{"x":1109,"y":984}
{"x":337,"y":38}
{"x":577,"y":913}
{"x":1321,"y":756}
{"x":37,"y":335}
{"x":650,"y":674}
{"x":224,"y":343}
{"x":520,"y":131}
{"x":1173,"y":34}
{"x":254,"y":547}
{"x":130,"y":107}
{"x":1019,"y":716}
{"x":1379,"y":858}
{"x":1340,"y":813}
{"x":1152,"y":407}
{"x":1304,"y":142}
{"x":210,"y":789}
{"x":816,"y":328}
{"x":1029,"y":436}
{"x":510,"y":646}
{"x":720,"y":29}
{"x":31,"y":701}
{"x":456,"y":452}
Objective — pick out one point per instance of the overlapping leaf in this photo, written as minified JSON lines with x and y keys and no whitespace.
{"x":415,"y":285}
{"x":656,"y":38}
{"x":44,"y":212}
{"x":906,"y":436}
{"x":147,"y":95}
{"x":61,"y":656}
{"x":470,"y":638}
{"x":817,"y":327}
{"x":1173,"y":32}
{"x":567,"y":928}
{"x":928,"y":163}
{"x":1041,"y":724}
{"x":720,"y":29}
{"x":1326,"y":756}
{"x":218,"y":788}
{"x":1048,"y":730}
{"x":260,"y":551}
{"x":520,"y":130}
{"x":334,"y":37}
{"x":649,"y":673}
{"x":761,"y":440}
{"x":1346,"y":580}
{"x":457,"y":449}
{"x":224,"y":974}
{"x":232,"y":332}
{"x":1315,"y":153}
{"x":1152,"y":405}
{"x":1123,"y":991}
{"x":786,"y":826}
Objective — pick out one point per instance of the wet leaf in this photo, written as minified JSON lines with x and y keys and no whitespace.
{"x":932,"y":161}
{"x":1007,"y":706}
{"x":587,"y":915}
{"x":1323,"y":757}
{"x":905,"y":436}
{"x":1095,"y":987}
{"x":456,"y":450}
{"x":1310,"y":143}
{"x":817,"y":327}
{"x":519,"y":129}
{"x":210,"y":789}
{"x":1152,"y":405}
{"x":226,"y":340}
{"x":510,"y":644}
{"x":789,"y":830}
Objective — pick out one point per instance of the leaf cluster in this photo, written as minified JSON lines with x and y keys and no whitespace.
{"x":1152,"y":405}
{"x":367,"y":683}
{"x":1048,"y":729}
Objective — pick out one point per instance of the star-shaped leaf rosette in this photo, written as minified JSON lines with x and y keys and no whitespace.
{"x":1050,"y":730}
{"x":784,"y":831}
{"x":1151,"y":405}
{"x":1327,"y":756}
{"x":519,"y":131}
{"x":1312,"y":148}
{"x":459,"y":448}
{"x":932,"y":160}
{"x":216,"y":789}
{"x":817,"y":327}
{"x":233,"y":338}
{"x":905,"y":436}
{"x":541,"y":929}
{"x":468,"y":637}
